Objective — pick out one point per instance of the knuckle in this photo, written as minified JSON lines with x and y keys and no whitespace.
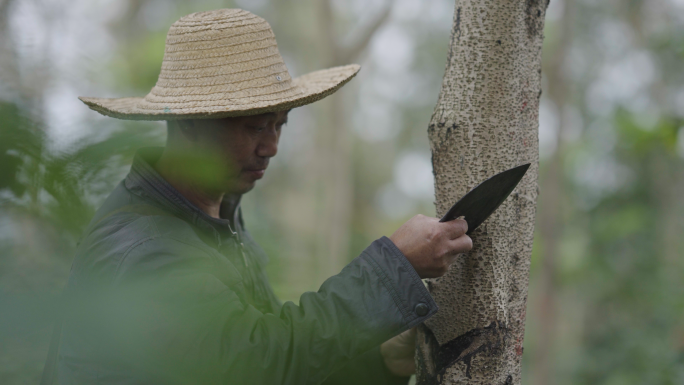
{"x":433,"y":233}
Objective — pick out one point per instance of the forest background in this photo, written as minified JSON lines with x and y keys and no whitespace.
{"x":606,"y":299}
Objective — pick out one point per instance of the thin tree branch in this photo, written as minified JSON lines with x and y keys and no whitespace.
{"x":326,"y":22}
{"x":4,"y":5}
{"x":8,"y":60}
{"x":352,"y":53}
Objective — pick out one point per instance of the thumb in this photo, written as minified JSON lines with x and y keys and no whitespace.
{"x":408,"y":337}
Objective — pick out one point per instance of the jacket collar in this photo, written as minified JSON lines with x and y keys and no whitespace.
{"x":144,"y":181}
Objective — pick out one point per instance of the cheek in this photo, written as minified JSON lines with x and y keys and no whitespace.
{"x":236,"y":154}
{"x":235,"y":147}
{"x":235,"y":157}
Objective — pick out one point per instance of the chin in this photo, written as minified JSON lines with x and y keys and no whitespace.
{"x":242,"y":188}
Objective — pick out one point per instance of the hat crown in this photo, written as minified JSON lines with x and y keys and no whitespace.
{"x":218,"y":57}
{"x":216,"y":15}
{"x":219,"y":64}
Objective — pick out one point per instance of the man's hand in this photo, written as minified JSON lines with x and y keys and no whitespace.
{"x":431,"y":246}
{"x":399,"y":353}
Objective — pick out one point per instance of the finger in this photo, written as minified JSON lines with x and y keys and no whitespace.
{"x":402,"y":367}
{"x":462,"y":244}
{"x":408,"y":337}
{"x":455,"y":228}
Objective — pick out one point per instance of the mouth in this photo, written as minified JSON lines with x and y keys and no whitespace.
{"x":255,"y":173}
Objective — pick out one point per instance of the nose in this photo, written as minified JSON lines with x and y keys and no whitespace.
{"x":268,"y":143}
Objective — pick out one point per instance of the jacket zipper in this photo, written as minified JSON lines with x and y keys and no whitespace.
{"x":239,"y":238}
{"x":242,"y":245}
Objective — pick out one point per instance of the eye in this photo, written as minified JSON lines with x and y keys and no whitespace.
{"x":257,"y":128}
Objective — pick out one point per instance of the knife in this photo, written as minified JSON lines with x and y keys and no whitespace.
{"x":479,"y":203}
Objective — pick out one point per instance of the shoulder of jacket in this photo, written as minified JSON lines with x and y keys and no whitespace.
{"x":168,"y":248}
{"x":134,"y":227}
{"x":170,"y":231}
{"x":126,"y":228}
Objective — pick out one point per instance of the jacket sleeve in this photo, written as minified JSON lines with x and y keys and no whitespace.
{"x":176,"y":317}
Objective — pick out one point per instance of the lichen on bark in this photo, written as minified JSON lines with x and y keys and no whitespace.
{"x":485,"y":121}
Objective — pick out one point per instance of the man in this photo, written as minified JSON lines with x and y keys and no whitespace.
{"x":167,"y":285}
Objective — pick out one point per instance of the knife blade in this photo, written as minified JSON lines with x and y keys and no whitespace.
{"x":480,"y":202}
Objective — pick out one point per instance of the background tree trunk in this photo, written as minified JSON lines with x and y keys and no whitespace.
{"x":335,"y":144}
{"x":552,"y":204}
{"x":485,"y":121}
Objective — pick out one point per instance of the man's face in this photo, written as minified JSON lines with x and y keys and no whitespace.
{"x":239,"y":148}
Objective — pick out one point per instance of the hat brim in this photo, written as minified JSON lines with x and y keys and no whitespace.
{"x":313,"y":86}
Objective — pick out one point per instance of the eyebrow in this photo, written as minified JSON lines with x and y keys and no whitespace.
{"x":273,"y":114}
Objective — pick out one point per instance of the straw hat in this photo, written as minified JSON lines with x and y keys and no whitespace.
{"x":223,"y":63}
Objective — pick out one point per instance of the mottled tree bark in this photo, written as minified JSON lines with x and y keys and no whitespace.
{"x":485,"y":121}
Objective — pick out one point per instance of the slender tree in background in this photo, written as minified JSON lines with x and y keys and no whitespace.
{"x":551,"y":207}
{"x":485,"y":121}
{"x":335,"y":142}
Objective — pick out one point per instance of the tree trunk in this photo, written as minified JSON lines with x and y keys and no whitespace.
{"x":485,"y":121}
{"x":552,"y":204}
{"x":335,"y":144}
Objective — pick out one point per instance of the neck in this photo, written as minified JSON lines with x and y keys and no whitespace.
{"x":207,"y":200}
{"x":229,"y":205}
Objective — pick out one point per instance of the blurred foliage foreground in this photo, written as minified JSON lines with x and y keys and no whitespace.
{"x":47,"y":198}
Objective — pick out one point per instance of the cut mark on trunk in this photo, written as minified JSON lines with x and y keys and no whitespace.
{"x":440,"y":136}
{"x":489,"y":340}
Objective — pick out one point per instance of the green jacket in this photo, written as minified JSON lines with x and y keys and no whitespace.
{"x":161,"y":293}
